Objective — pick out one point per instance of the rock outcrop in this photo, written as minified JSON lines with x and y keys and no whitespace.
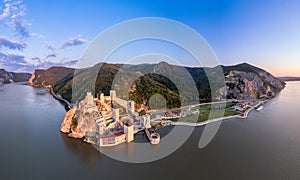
{"x":78,"y":122}
{"x":48,"y":77}
{"x":250,"y":85}
{"x":67,"y":121}
{"x":10,"y":77}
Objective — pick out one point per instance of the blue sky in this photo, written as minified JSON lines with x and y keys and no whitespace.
{"x":39,"y":34}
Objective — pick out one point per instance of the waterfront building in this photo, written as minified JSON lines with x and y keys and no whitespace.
{"x":112,"y":140}
{"x":129,"y":132}
{"x":146,"y":121}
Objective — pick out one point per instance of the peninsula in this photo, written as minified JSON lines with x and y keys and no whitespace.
{"x":108,"y":118}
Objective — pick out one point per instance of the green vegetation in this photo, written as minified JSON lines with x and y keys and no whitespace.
{"x":146,"y":87}
{"x":142,"y":113}
{"x":140,"y":82}
{"x":206,"y":113}
{"x":204,"y":116}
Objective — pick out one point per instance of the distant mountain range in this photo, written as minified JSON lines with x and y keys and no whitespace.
{"x":242,"y":81}
{"x":289,"y":78}
{"x":10,"y":77}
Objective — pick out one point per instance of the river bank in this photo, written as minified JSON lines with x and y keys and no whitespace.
{"x":242,"y":116}
{"x":56,"y":96}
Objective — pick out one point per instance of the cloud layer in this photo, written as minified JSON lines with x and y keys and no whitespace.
{"x":12,"y":59}
{"x":11,"y":44}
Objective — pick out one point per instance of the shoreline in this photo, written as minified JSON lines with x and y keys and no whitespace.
{"x":199,"y":124}
{"x":67,"y":103}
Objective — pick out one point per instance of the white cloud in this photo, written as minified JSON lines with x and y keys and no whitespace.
{"x":76,"y":41}
{"x":11,"y":44}
{"x":12,"y":58}
{"x":13,"y":15}
{"x":53,"y":55}
{"x":5,"y":14}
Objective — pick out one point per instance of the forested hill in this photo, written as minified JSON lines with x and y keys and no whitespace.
{"x":48,"y":77}
{"x":174,"y":83}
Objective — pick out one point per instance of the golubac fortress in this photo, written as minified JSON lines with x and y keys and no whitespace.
{"x":116,"y":120}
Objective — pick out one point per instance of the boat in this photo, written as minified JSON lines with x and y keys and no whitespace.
{"x":153,"y":136}
{"x":259,"y":108}
{"x":165,"y":123}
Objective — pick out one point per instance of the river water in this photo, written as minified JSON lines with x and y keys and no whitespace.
{"x":266,"y":145}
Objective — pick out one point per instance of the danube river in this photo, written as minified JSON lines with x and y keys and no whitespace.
{"x":266,"y":145}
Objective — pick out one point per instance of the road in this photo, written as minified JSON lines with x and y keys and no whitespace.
{"x":196,"y":105}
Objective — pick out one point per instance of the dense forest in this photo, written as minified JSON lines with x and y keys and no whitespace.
{"x":178,"y":85}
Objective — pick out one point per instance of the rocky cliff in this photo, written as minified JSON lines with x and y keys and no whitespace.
{"x":67,"y":121}
{"x":48,"y":77}
{"x":78,"y":123}
{"x":251,"y":83}
{"x":10,"y":77}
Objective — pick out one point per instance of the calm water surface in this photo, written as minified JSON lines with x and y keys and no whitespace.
{"x":264,"y":146}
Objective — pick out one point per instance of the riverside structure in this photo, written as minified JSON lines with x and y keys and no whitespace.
{"x":109,"y":120}
{"x":117,"y":122}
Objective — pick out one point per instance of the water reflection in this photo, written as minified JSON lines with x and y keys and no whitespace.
{"x":266,"y":145}
{"x":87,"y":153}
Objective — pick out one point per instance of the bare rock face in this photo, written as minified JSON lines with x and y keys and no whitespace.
{"x":48,"y":77}
{"x":249,"y":85}
{"x":86,"y":124}
{"x":274,"y":82}
{"x":30,"y":81}
{"x":79,"y":122}
{"x":67,"y":121}
{"x":10,"y":77}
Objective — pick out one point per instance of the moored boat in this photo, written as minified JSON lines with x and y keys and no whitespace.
{"x":153,"y":136}
{"x":259,"y":108}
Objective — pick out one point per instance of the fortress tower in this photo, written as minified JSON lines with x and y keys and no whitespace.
{"x":90,"y":99}
{"x":113,"y":95}
{"x":116,"y":114}
{"x":129,"y":132}
{"x":130,"y":106}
